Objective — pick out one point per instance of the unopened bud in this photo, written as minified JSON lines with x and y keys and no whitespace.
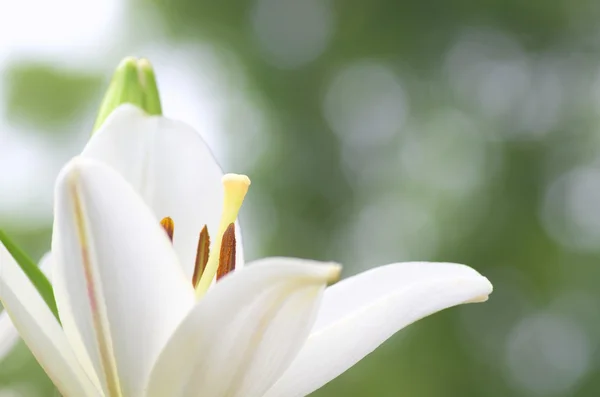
{"x":133,"y":82}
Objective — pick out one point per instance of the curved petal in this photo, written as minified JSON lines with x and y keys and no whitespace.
{"x":9,"y":336}
{"x":170,"y":166}
{"x":361,"y":312}
{"x":119,"y":288}
{"x":40,"y":330}
{"x":239,"y":339}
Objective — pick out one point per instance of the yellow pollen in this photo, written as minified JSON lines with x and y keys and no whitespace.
{"x":235,"y":189}
{"x":169,"y":226}
{"x":227,"y":257}
{"x":202,"y":251}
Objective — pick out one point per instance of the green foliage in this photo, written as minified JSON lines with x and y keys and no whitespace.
{"x":46,"y":97}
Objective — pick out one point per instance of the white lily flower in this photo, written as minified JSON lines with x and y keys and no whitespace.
{"x":171,"y":168}
{"x":131,"y":325}
{"x":127,"y":307}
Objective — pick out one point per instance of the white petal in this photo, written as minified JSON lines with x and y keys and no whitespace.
{"x":361,"y":312}
{"x":40,"y":330}
{"x":46,"y":264}
{"x":119,"y":288}
{"x":170,"y":166}
{"x":9,"y":336}
{"x":239,"y":339}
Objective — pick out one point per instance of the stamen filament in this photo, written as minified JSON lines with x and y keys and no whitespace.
{"x":236,"y":187}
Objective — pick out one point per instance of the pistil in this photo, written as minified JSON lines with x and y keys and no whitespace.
{"x":235,"y":189}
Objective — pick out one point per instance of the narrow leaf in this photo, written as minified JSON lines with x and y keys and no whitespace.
{"x":33,"y":272}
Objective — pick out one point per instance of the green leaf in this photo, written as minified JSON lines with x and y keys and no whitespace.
{"x":33,"y":272}
{"x":44,"y":99}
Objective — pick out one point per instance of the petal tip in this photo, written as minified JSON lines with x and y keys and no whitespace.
{"x":478,"y":299}
{"x":334,"y":272}
{"x":483,"y":297}
{"x":73,"y":174}
{"x":71,"y":171}
{"x":74,"y":167}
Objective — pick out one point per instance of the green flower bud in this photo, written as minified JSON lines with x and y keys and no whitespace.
{"x":133,"y":82}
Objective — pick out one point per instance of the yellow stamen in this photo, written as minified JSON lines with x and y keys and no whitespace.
{"x":227,"y":257}
{"x":201,"y":255}
{"x":169,"y":226}
{"x":236,"y":187}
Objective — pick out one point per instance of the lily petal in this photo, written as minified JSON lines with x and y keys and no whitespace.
{"x":46,"y":265}
{"x":118,"y":285}
{"x":41,"y":331}
{"x":170,"y":166}
{"x":243,"y":334}
{"x":9,"y":336}
{"x":361,"y":312}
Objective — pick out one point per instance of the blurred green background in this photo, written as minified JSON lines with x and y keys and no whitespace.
{"x":374,"y":132}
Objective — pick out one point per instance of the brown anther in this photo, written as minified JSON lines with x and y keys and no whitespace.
{"x":227,"y":254}
{"x":169,"y":226}
{"x":201,"y":255}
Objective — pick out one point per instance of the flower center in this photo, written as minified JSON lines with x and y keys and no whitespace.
{"x":219,"y":259}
